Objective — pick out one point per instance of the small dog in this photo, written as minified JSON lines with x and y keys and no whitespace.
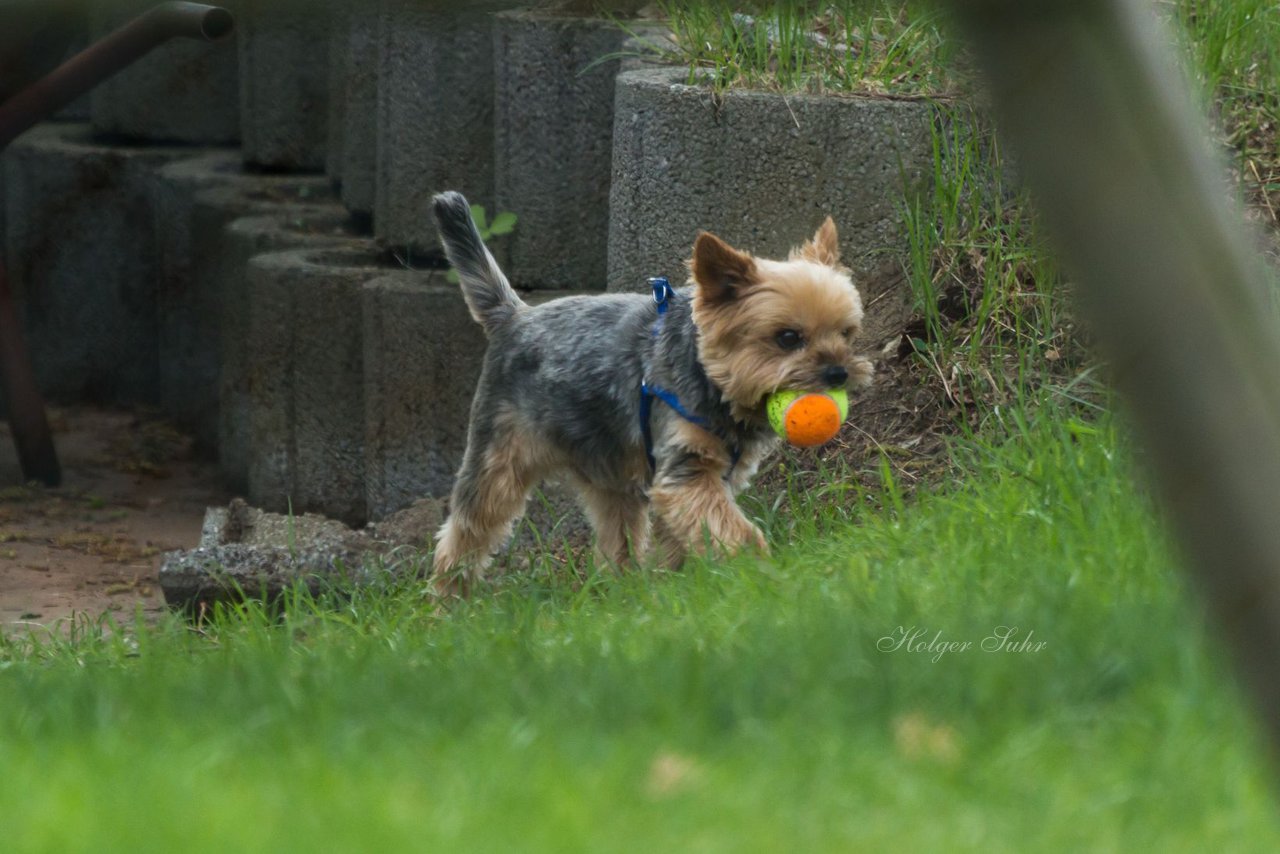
{"x":639,"y":400}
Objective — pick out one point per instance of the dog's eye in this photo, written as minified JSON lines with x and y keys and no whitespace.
{"x":848,"y":332}
{"x":789,"y":339}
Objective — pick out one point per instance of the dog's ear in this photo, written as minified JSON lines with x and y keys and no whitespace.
{"x":720,"y":271}
{"x":824,"y":248}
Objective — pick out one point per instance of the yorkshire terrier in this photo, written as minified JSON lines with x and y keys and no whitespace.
{"x":640,"y":400}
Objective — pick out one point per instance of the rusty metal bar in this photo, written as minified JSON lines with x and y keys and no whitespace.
{"x":103,"y":58}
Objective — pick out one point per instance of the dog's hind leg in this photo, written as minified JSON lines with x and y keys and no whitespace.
{"x":489,"y":495}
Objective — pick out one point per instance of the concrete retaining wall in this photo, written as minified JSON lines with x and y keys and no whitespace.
{"x":82,"y":257}
{"x":344,"y":382}
{"x":292,"y":227}
{"x":340,"y":26}
{"x":189,"y":294}
{"x":435,"y":114}
{"x":353,"y":132}
{"x":306,"y":374}
{"x":284,"y":83}
{"x":758,"y":169}
{"x":553,"y":123}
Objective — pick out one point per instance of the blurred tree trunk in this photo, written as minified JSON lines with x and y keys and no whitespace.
{"x":1089,"y":94}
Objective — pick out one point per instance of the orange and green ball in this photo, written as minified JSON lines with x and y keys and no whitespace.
{"x":807,"y":418}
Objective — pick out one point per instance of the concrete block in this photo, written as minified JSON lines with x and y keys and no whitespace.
{"x":288,"y":228}
{"x":244,"y":551}
{"x":435,"y":114}
{"x":422,"y":357}
{"x":284,"y":83}
{"x":189,"y":249}
{"x":758,"y":169}
{"x":183,"y":91}
{"x":306,"y":357}
{"x":81,"y":251}
{"x":340,"y":26}
{"x":553,"y":122}
{"x":353,"y":143}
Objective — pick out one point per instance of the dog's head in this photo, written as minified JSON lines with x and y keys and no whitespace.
{"x":768,"y":325}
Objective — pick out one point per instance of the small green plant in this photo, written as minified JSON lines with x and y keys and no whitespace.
{"x":503,"y":223}
{"x":1233,"y":53}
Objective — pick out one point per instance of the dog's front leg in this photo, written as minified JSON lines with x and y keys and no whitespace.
{"x":697,"y":510}
{"x":693,"y":501}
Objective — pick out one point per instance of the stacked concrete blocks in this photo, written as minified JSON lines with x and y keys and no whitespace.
{"x":422,"y":357}
{"x":306,"y":356}
{"x":81,"y":249}
{"x":284,"y":83}
{"x":353,"y":115}
{"x":339,"y":26}
{"x":288,"y":227}
{"x":435,"y":113}
{"x":553,"y":122}
{"x":757,"y":168}
{"x":189,"y":290}
{"x":183,"y":91}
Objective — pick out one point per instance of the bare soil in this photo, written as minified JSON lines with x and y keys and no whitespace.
{"x":132,"y":490}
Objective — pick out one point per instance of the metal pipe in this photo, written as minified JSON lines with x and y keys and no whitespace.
{"x":105,"y":57}
{"x":31,"y":436}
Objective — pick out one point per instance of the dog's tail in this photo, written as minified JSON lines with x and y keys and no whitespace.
{"x":488,"y":293}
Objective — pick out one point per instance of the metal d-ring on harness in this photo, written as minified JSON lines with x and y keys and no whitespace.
{"x":663,"y":293}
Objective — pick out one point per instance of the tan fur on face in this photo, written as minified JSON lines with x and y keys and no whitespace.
{"x":738,"y":324}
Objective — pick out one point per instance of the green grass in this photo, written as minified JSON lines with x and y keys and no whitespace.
{"x":744,"y":705}
{"x":739,"y":705}
{"x":996,"y":321}
{"x":1234,"y":52}
{"x":864,"y":46}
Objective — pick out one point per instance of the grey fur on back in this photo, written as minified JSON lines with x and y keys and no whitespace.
{"x":488,"y":293}
{"x":573,"y":368}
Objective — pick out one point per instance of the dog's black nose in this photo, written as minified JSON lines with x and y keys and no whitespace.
{"x":835,"y":375}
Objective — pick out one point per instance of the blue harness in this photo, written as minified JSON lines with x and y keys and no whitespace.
{"x":663,"y":293}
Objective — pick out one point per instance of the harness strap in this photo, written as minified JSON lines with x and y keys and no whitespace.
{"x":662,"y":294}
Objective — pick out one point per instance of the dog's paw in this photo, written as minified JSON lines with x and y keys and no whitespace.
{"x":452,"y":584}
{"x":760,"y":543}
{"x":741,"y":536}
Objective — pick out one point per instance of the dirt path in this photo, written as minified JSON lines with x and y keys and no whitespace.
{"x":131,"y":491}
